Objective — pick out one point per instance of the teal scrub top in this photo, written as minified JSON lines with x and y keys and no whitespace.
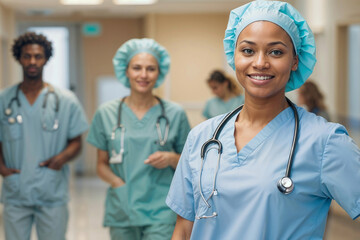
{"x":216,"y":106}
{"x":249,"y":205}
{"x":26,"y":145}
{"x":141,"y":201}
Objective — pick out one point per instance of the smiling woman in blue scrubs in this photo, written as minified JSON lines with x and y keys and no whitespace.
{"x":272,"y":50}
{"x":138,"y":157}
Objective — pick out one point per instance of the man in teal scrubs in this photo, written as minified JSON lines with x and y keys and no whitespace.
{"x":40,"y":132}
{"x":138,"y":159}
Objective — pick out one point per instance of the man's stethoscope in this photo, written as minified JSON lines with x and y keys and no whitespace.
{"x":19,"y":119}
{"x":285,"y":184}
{"x":118,"y":157}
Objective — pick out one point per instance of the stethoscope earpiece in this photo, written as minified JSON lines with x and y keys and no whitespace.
{"x":11,"y":120}
{"x":8,"y":111}
{"x":285,"y":185}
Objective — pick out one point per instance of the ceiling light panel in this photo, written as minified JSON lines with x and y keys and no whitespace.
{"x":81,"y":2}
{"x":134,"y":2}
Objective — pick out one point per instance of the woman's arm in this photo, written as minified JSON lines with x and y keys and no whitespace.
{"x":183,"y":229}
{"x":104,"y":171}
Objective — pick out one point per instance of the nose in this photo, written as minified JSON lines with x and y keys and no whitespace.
{"x":261,"y":61}
{"x":143,"y":73}
{"x":32,"y":60}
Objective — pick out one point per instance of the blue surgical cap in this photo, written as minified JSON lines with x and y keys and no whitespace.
{"x":289,"y":19}
{"x":134,"y":46}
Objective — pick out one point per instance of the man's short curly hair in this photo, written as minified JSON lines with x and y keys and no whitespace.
{"x":31,"y":38}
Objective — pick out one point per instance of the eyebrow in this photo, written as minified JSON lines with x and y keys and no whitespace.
{"x":269,"y":44}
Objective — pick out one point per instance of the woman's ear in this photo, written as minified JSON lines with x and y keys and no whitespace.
{"x":295,"y":63}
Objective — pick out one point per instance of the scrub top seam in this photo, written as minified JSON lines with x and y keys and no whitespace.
{"x":96,"y":145}
{"x":355,"y":212}
{"x":322,"y":164}
{"x":178,"y":210}
{"x":78,"y":133}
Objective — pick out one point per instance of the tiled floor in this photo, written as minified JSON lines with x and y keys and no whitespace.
{"x":87,"y":206}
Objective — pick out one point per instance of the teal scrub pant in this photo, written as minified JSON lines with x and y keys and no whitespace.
{"x":50,"y":222}
{"x":149,"y":232}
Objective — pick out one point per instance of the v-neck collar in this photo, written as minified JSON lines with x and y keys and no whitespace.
{"x":255,"y":142}
{"x":147,"y":115}
{"x":39,"y":99}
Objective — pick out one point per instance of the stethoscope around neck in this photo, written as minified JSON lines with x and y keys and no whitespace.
{"x":285,"y":184}
{"x":118,"y":157}
{"x":19,"y":119}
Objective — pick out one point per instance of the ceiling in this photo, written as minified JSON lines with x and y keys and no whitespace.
{"x":54,"y":8}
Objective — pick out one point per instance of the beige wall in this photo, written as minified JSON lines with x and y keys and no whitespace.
{"x":331,"y":41}
{"x":194,"y":42}
{"x":8,"y":73}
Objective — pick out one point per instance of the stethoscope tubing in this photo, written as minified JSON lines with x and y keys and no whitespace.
{"x":294,"y":141}
{"x":283,"y":188}
{"x":162,"y":139}
{"x":51,"y":90}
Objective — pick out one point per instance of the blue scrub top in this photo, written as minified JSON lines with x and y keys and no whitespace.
{"x":141,"y":201}
{"x":26,"y":145}
{"x":216,"y":106}
{"x":249,"y":205}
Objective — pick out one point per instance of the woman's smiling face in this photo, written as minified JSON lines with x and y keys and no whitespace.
{"x":143,"y":71}
{"x":264,"y":59}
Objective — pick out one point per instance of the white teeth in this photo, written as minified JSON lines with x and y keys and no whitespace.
{"x":261,"y":77}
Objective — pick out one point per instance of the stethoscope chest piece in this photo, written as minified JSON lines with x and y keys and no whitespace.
{"x":285,"y":185}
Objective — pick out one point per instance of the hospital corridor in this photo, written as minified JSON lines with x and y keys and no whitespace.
{"x":179,"y":119}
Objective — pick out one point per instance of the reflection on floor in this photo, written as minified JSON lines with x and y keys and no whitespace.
{"x":87,"y":207}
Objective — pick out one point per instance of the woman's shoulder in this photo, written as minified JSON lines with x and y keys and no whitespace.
{"x":173,"y":107}
{"x":317,"y":126}
{"x":109,"y":105}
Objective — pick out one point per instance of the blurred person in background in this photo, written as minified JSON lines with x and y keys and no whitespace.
{"x":40,"y":132}
{"x":227,"y":94}
{"x":312,"y":99}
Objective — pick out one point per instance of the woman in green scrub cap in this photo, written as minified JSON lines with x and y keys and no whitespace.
{"x":139,"y":140}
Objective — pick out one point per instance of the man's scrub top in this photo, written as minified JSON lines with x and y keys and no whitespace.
{"x":26,"y":145}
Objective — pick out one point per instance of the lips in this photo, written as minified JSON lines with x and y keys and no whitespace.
{"x":143,"y":83}
{"x":260,"y":79}
{"x":32,"y":69}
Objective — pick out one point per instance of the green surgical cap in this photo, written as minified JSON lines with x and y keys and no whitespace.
{"x":134,"y":46}
{"x":289,"y":19}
